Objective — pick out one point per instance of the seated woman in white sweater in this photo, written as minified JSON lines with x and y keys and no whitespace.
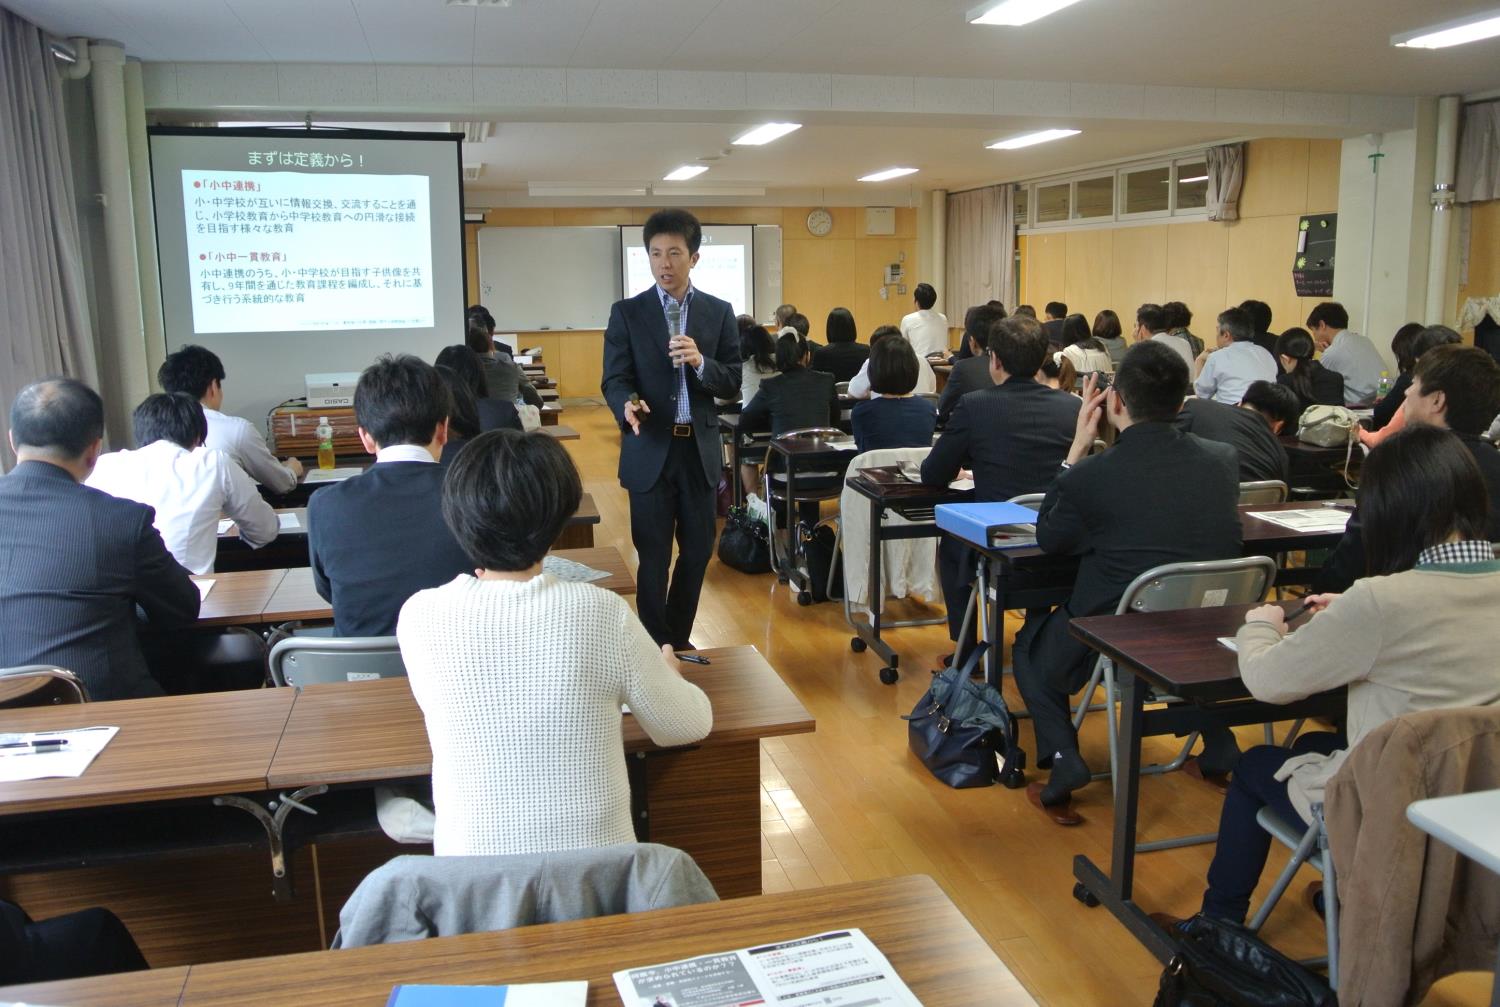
{"x":1418,"y":633}
{"x":520,"y":676}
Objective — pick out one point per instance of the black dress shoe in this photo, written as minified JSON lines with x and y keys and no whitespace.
{"x":1069,"y":773}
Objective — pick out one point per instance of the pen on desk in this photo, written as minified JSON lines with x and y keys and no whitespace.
{"x":693,"y":658}
{"x":37,"y":747}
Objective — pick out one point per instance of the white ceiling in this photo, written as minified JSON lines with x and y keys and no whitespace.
{"x":1332,"y":45}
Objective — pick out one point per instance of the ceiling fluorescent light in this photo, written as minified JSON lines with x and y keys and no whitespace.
{"x":765,"y":134}
{"x":887,"y":174}
{"x":1440,"y":36}
{"x":1016,"y":12}
{"x":565,"y":190}
{"x":684,"y":173}
{"x":1031,"y":139}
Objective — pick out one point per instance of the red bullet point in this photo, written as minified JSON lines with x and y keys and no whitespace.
{"x":197,"y":185}
{"x":201,"y":256}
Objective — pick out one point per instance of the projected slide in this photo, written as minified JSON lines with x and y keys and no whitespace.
{"x":286,"y":251}
{"x":725,"y":264}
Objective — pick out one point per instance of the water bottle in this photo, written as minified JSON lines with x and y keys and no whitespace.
{"x":325,"y":443}
{"x":1384,"y":387}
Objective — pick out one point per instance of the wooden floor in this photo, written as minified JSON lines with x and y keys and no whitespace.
{"x":849,"y":803}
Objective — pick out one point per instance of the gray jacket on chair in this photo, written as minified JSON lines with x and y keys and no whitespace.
{"x":413,"y":897}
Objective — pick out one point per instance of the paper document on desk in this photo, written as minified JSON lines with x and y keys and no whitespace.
{"x":1315,"y":519}
{"x":331,"y":475}
{"x":225,"y":523}
{"x":83,"y":745}
{"x":841,"y":968}
{"x":204,"y":586}
{"x":287,"y":521}
{"x":1230,"y":642}
{"x":566,"y":569}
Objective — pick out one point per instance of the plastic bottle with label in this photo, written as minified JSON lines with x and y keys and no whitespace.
{"x":325,"y":443}
{"x":1383,"y":388}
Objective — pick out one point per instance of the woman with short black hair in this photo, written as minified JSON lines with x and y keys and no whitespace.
{"x":1314,"y":384}
{"x":842,"y":356}
{"x":1087,"y":353}
{"x":491,"y":413}
{"x":892,"y":417}
{"x":1111,"y":336}
{"x":520,"y":675}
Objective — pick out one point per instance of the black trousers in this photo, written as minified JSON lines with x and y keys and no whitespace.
{"x":679,"y":506}
{"x":91,"y":942}
{"x":206,"y":660}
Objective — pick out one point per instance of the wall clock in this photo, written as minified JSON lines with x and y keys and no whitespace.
{"x":820,"y":223}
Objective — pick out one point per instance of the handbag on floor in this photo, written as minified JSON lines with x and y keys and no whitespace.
{"x":1220,"y":964}
{"x":745,"y":544}
{"x":961,"y":727}
{"x":820,"y":551}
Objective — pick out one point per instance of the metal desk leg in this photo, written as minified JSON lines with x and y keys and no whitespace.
{"x":273,"y":818}
{"x":735,"y":456}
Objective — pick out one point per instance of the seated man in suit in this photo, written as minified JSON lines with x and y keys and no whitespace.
{"x":1013,"y":435}
{"x":1249,"y":431}
{"x":379,"y":538}
{"x":78,"y":563}
{"x":1454,"y":387}
{"x":199,"y":373}
{"x":1158,"y":496}
{"x":973,"y":372}
{"x":185,"y":483}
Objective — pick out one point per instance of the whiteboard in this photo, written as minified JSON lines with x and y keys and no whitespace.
{"x":767,"y":270}
{"x":549,"y":277}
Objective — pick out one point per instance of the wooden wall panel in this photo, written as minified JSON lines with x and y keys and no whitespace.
{"x":1484,"y":253}
{"x":1046,"y":269}
{"x":1139,"y":271}
{"x":1276,"y":178}
{"x":1323,"y":176}
{"x":1261,"y":250}
{"x":1197,"y":269}
{"x":1089,"y":261}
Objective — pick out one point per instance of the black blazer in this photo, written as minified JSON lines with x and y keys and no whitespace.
{"x":75,"y":565}
{"x":1260,"y":452}
{"x":498,"y":414}
{"x":1013,"y":435}
{"x":1327,"y":387}
{"x":880,"y":423}
{"x":376,"y":540}
{"x":635,"y":360}
{"x":1346,"y":563}
{"x":971,"y":374}
{"x":1385,"y":409}
{"x":842,"y":360}
{"x":794,"y":400}
{"x":1052,"y":328}
{"x":1158,"y":496}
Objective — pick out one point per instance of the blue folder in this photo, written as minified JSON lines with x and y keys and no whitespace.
{"x":981,"y":523}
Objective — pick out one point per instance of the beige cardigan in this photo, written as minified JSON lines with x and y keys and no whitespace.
{"x":1423,"y":639}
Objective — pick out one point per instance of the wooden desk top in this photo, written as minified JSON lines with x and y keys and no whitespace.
{"x":587,"y":512}
{"x":928,"y":941}
{"x":168,"y":748}
{"x":561,"y":432}
{"x":152,"y":988}
{"x":1176,"y":651}
{"x":1256,"y":531}
{"x":359,"y":732}
{"x":237,"y":599}
{"x":301,"y":529}
{"x":808,"y":448}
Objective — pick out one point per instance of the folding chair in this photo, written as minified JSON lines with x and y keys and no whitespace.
{"x":1308,"y":847}
{"x":39,"y":685}
{"x":315,"y":660}
{"x":1264,"y":491}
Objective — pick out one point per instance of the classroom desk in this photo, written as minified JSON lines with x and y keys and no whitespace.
{"x":578,"y":533}
{"x":729,"y":432}
{"x":703,"y":798}
{"x":804,"y":454}
{"x":1264,"y":538}
{"x":929,"y":943}
{"x":287,"y":549}
{"x":237,"y":599}
{"x":550,"y":412}
{"x":151,"y":988}
{"x":942,"y":373}
{"x":1466,"y":822}
{"x":1176,"y":653}
{"x":559,"y":432}
{"x":887,"y":490}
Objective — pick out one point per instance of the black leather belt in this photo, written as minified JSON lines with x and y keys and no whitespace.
{"x":682,"y":430}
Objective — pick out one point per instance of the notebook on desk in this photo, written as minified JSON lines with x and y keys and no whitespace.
{"x":996,"y":525}
{"x":568,"y":994}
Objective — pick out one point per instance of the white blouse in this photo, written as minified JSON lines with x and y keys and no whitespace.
{"x":520,"y":684}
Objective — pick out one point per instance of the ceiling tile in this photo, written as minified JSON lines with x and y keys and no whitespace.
{"x":293,"y":31}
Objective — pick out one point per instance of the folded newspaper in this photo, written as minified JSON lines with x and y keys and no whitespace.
{"x":841,"y":968}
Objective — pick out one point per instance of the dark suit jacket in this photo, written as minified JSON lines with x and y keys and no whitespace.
{"x":75,"y":564}
{"x":880,"y":423}
{"x":376,"y":540}
{"x":1346,"y":563}
{"x":842,"y":360}
{"x":1013,"y":435}
{"x":1260,"y":452}
{"x":498,"y":414}
{"x":795,"y":400}
{"x":1327,"y":387}
{"x":1158,"y":496}
{"x":970,"y":374}
{"x":635,"y":360}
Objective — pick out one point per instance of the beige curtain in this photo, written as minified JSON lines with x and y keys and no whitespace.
{"x":1479,"y":153}
{"x":1226,"y":176}
{"x":44,"y":316}
{"x":980,"y":249}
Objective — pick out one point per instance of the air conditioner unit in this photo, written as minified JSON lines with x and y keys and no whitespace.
{"x":328,"y":390}
{"x":473,"y":171}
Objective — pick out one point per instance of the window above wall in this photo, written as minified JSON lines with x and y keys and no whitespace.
{"x":1166,"y":187}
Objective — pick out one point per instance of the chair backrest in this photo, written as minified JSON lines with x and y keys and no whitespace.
{"x":812,"y":433}
{"x":1207,"y":584}
{"x":841,"y":387}
{"x":1264,"y":491}
{"x":931,"y":397}
{"x":39,"y":685}
{"x":1032,"y":500}
{"x":315,"y":660}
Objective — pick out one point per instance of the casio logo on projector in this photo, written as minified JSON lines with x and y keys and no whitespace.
{"x":324,"y":390}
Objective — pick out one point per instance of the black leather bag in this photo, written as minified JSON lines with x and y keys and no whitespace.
{"x":1220,"y":964}
{"x":745,"y":544}
{"x":820,"y":550}
{"x":959,"y":727}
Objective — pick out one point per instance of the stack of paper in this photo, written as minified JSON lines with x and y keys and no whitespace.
{"x":1314,"y":519}
{"x":331,"y":475}
{"x":43,"y":755}
{"x":287,"y":520}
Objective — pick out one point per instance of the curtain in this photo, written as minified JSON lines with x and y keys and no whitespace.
{"x":1479,"y":153}
{"x":1226,"y":176}
{"x":44,"y":316}
{"x":981,"y":245}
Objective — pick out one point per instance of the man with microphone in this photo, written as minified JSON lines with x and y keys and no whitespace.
{"x":668,"y":351}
